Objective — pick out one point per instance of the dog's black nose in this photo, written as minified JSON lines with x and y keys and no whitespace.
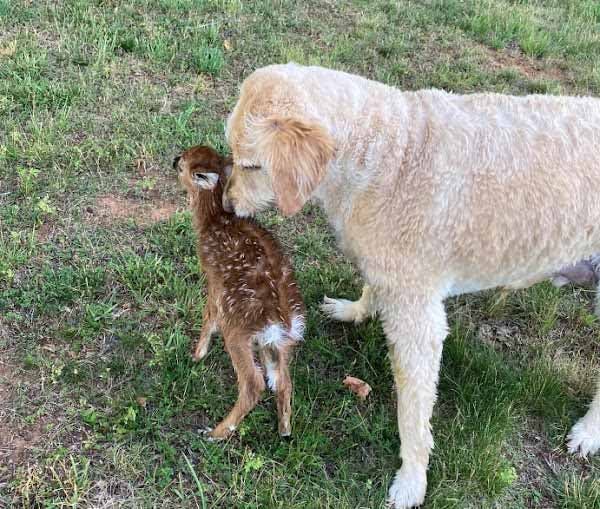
{"x":175,"y":161}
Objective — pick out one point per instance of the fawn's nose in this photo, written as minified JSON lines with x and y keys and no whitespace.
{"x":227,"y":204}
{"x":176,"y":163}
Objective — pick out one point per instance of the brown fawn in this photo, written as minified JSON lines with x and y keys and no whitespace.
{"x":252,"y":297}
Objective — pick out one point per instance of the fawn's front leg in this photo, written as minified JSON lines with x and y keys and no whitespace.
{"x":276,"y":363}
{"x":209,"y":327}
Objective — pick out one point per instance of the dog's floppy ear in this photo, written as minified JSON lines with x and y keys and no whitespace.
{"x":297,"y":153}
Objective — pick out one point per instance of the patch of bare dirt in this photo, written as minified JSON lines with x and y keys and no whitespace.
{"x":152,"y":195}
{"x":110,"y":208}
{"x":537,"y":461}
{"x":532,"y":68}
{"x":45,"y":232}
{"x":15,"y":440}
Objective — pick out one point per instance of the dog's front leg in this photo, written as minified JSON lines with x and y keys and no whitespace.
{"x":415,"y":327}
{"x":350,"y":311}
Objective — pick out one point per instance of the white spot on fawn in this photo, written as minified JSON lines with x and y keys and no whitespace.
{"x":275,"y":335}
{"x":272,"y":335}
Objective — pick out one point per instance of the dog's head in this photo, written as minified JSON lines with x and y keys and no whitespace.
{"x":202,"y":168}
{"x":279,"y":156}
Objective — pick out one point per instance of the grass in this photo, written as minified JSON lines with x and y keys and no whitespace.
{"x":101,"y":295}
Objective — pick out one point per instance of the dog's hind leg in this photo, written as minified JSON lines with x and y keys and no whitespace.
{"x":584,"y":437}
{"x":415,"y":327}
{"x":350,"y":311}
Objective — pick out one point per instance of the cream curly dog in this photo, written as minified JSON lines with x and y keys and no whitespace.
{"x":432,"y":195}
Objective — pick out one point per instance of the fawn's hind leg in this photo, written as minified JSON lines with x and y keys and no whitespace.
{"x":275,"y":361}
{"x":270,"y":362}
{"x":251,"y":383}
{"x":209,"y":327}
{"x":284,"y":393}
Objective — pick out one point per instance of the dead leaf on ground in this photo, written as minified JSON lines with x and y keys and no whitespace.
{"x":357,"y":386}
{"x":227,"y":45}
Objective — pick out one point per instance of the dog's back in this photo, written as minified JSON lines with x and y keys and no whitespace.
{"x":491,"y":189}
{"x":514,"y":183}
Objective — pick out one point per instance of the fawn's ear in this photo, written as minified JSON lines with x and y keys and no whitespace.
{"x":206,"y":181}
{"x":297,"y":153}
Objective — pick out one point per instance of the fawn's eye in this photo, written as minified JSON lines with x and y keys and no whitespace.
{"x":200,"y":176}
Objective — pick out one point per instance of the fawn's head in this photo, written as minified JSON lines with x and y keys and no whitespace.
{"x":202,"y":171}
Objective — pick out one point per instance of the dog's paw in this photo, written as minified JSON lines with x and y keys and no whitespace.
{"x":584,"y":437}
{"x":342,"y":310}
{"x":408,"y":489}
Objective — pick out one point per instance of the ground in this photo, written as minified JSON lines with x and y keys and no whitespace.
{"x":101,"y":294}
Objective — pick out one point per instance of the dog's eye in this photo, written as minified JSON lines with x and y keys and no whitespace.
{"x":200,"y":176}
{"x":251,"y":167}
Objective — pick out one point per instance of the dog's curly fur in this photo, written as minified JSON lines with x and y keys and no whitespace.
{"x":431,"y":194}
